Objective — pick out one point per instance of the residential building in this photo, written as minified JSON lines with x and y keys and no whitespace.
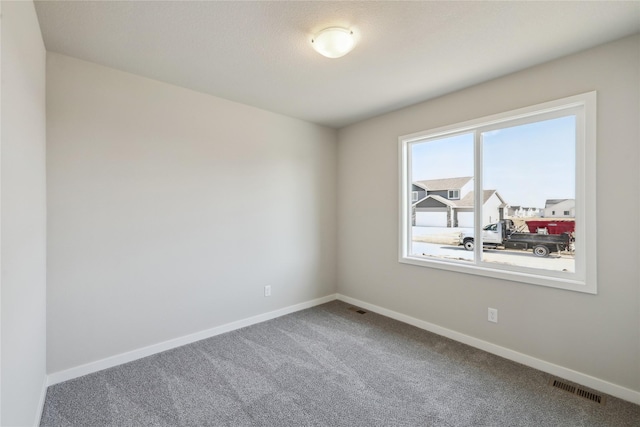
{"x":523,"y":212}
{"x":560,"y":208}
{"x":449,"y":202}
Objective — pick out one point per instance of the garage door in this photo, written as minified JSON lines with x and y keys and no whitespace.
{"x":465,"y":219}
{"x":431,"y":219}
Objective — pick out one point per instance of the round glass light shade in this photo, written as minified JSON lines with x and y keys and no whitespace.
{"x":333,"y":42}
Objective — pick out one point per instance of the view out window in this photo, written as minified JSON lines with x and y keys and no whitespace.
{"x":534,"y":157}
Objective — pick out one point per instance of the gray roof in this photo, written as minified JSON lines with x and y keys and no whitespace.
{"x":444,"y":183}
{"x":523,"y":207}
{"x":553,"y":202}
{"x":467,"y":201}
{"x":440,"y":199}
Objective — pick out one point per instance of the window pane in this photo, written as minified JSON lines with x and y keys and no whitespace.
{"x":529,"y":188}
{"x":535,"y":204}
{"x":441,"y":173}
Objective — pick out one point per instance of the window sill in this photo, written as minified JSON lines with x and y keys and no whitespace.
{"x":570,"y":284}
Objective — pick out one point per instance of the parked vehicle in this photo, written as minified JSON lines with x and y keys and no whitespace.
{"x":503,"y":234}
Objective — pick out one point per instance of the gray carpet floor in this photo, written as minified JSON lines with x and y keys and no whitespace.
{"x":325,"y":366}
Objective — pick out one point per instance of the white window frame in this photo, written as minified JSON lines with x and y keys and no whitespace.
{"x":414,"y":196}
{"x":453,"y":194}
{"x":585,"y":277}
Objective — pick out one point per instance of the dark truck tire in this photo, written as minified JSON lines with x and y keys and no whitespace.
{"x":468,"y":244}
{"x":541,"y":251}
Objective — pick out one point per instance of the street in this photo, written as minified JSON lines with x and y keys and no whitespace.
{"x":442,"y":243}
{"x":554,"y":262}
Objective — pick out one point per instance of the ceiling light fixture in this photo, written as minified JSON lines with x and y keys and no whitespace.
{"x":333,"y":42}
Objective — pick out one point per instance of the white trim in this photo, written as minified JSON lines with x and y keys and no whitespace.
{"x":43,"y":396}
{"x":119,"y":359}
{"x":0,"y":211}
{"x":541,"y":365}
{"x":554,"y":108}
{"x":498,"y":272}
{"x":621,"y":392}
{"x":584,"y":279}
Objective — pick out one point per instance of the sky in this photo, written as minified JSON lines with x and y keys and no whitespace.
{"x":527,"y":164}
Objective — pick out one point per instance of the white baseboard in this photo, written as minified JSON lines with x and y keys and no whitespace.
{"x":541,"y":365}
{"x":550,"y":368}
{"x":119,"y":359}
{"x":43,"y":396}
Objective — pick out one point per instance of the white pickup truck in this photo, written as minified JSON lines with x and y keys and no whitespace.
{"x":503,"y":234}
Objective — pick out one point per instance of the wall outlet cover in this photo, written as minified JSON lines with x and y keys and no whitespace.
{"x":493,"y":315}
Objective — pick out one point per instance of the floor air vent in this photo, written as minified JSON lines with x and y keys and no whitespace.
{"x":594,"y":397}
{"x":357,"y":310}
{"x":563,"y":386}
{"x":591,"y":396}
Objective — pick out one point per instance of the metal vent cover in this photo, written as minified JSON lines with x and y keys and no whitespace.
{"x":591,"y":396}
{"x":585,"y":394}
{"x":358,"y":310}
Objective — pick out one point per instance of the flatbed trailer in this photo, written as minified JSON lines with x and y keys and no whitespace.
{"x":503,"y":234}
{"x":541,"y":244}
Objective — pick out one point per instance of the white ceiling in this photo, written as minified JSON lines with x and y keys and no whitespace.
{"x":259,"y":53}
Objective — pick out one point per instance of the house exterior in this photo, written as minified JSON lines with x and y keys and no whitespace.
{"x":560,"y":208}
{"x":449,"y":203}
{"x":524,"y":212}
{"x":448,"y":188}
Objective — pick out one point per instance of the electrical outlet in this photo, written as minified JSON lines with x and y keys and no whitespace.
{"x":493,"y":315}
{"x":267,"y":291}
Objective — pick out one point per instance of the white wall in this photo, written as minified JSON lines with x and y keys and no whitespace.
{"x":597,"y":335}
{"x":23,"y":216}
{"x":491,"y":210}
{"x":170,"y":210}
{"x":557,"y":211}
